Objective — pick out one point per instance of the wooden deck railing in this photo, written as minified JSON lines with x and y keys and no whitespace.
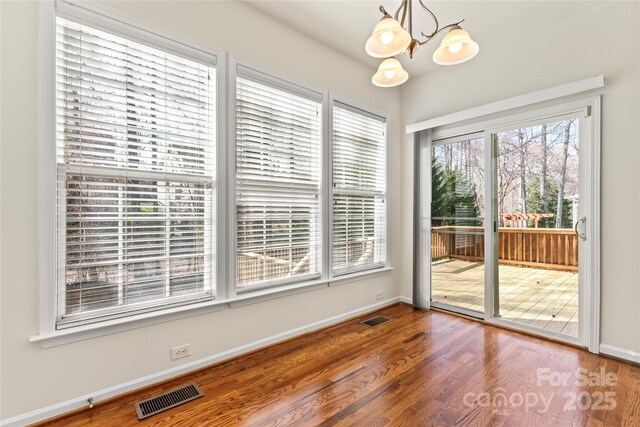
{"x":555,"y":249}
{"x":279,"y":263}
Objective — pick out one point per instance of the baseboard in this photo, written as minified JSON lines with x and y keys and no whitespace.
{"x":620,"y":353}
{"x":406,"y":300}
{"x":107,"y":393}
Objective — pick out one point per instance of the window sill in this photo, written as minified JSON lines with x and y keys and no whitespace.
{"x":80,"y":333}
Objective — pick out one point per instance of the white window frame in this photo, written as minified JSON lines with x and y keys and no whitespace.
{"x":290,"y":85}
{"x":105,"y":21}
{"x":226,"y":296}
{"x":378,"y":114}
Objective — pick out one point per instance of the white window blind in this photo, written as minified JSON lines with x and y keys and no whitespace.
{"x":359,"y":190}
{"x":135,"y":138}
{"x":277,"y":183}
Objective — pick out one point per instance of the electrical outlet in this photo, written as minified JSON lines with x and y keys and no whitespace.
{"x":180,"y":352}
{"x":379,"y":295}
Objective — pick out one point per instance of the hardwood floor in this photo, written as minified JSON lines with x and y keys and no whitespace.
{"x":420,"y":369}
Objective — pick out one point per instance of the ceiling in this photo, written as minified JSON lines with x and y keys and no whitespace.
{"x":346,"y":25}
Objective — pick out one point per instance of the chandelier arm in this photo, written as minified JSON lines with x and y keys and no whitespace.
{"x":395,"y":15}
{"x":410,"y":9}
{"x":433,"y":16}
{"x":403,"y":6}
{"x":435,"y":33}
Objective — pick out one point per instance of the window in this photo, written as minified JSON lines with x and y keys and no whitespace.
{"x":135,"y":179}
{"x":278,"y":139}
{"x":135,"y":138}
{"x":359,"y":190}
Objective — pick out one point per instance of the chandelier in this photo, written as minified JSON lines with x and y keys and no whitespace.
{"x":390,"y":38}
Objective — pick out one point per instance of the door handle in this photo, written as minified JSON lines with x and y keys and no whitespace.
{"x":582,"y":236}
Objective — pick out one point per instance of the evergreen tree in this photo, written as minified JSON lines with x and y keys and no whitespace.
{"x":453,"y":195}
{"x":537,"y":202}
{"x":437,"y":189}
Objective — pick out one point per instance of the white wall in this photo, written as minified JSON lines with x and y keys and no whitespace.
{"x":33,"y":377}
{"x":603,"y":40}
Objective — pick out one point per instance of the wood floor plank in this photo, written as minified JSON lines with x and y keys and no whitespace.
{"x":422,"y":368}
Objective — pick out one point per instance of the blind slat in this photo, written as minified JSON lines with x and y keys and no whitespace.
{"x":359,"y":193}
{"x":277,"y":184}
{"x":135,"y":145}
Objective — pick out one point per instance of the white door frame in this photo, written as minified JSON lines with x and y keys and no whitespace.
{"x":588,"y":110}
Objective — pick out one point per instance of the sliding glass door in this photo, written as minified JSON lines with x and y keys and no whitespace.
{"x":457,"y":224}
{"x":508,"y":236}
{"x":537,"y":200}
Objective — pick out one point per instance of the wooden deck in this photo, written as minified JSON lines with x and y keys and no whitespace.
{"x":545,"y":299}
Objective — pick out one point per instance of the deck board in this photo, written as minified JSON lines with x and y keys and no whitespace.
{"x":546,"y":299}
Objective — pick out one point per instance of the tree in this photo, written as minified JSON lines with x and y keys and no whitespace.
{"x":452,"y":195}
{"x":563,"y":171}
{"x":543,"y":172}
{"x":522,"y":145}
{"x":538,"y":202}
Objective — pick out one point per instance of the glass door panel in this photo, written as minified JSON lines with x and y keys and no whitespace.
{"x":536,"y":200}
{"x":457,"y":225}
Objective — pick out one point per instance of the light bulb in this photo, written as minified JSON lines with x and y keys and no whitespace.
{"x":389,"y":74}
{"x":455,"y":47}
{"x":386,"y":37}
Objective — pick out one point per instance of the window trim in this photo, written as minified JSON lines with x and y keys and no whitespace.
{"x":225,"y":294}
{"x":114,"y":23}
{"x":95,"y":17}
{"x":81,"y":170}
{"x":359,"y":108}
{"x":94,"y":330}
{"x":242,"y":68}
